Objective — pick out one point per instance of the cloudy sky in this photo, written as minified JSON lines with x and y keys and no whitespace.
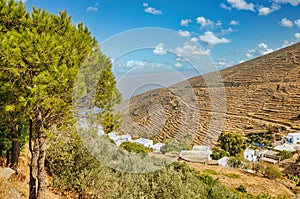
{"x":226,"y":31}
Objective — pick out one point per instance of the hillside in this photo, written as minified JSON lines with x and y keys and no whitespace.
{"x":260,"y":94}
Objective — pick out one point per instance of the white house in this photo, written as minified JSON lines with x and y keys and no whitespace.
{"x":198,"y":154}
{"x":119,"y":139}
{"x":144,"y":141}
{"x":293,"y":138}
{"x":253,"y":155}
{"x":223,"y":161}
{"x":156,"y":147}
{"x":286,"y":147}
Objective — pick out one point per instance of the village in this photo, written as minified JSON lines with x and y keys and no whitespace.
{"x":203,"y":154}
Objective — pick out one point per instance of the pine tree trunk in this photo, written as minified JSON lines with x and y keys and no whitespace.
{"x":15,"y":150}
{"x":33,"y":165}
{"x":7,"y":158}
{"x":42,"y":154}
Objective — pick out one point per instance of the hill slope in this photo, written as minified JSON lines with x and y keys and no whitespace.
{"x":260,"y":94}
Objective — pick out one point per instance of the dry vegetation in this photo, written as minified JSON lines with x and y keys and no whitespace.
{"x":255,"y":184}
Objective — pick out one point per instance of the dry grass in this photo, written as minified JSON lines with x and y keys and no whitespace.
{"x":254,"y":184}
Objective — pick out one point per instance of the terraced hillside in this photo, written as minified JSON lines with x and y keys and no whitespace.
{"x":260,"y":94}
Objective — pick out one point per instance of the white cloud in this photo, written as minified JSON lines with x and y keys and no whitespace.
{"x":212,"y":39}
{"x":292,"y":2}
{"x":287,"y":43}
{"x":286,"y":23}
{"x":194,"y":39}
{"x":159,"y":49}
{"x":178,"y":65}
{"x":241,"y":5}
{"x":261,"y":49}
{"x":92,"y":9}
{"x":191,"y":49}
{"x":224,"y":6}
{"x":184,"y":33}
{"x":234,"y":23}
{"x":134,"y":63}
{"x":228,"y":30}
{"x":207,"y":22}
{"x":297,"y":23}
{"x":145,"y":4}
{"x":153,"y":11}
{"x":264,"y":11}
{"x":185,"y":22}
{"x":130,"y":64}
{"x":297,"y":35}
{"x":221,"y":64}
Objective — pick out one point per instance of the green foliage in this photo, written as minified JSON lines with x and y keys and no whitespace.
{"x":74,"y":168}
{"x":235,"y":162}
{"x":135,"y":147}
{"x":233,"y":175}
{"x":232,"y":143}
{"x":241,"y":189}
{"x":261,"y":138}
{"x":284,"y":155}
{"x":210,"y":172}
{"x":218,"y":153}
{"x":293,"y":178}
{"x":6,"y":138}
{"x":268,"y":170}
{"x":178,"y":145}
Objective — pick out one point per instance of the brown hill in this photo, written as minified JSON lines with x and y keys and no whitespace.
{"x":260,"y":94}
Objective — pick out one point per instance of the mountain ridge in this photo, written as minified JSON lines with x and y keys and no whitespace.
{"x":257,"y":95}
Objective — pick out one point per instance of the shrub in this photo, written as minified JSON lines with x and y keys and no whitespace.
{"x":135,"y":147}
{"x":210,"y":172}
{"x":233,"y":175}
{"x":273,"y":172}
{"x":218,"y":153}
{"x":284,"y":155}
{"x":292,"y":177}
{"x":235,"y":162}
{"x":241,"y":189}
{"x":232,"y":143}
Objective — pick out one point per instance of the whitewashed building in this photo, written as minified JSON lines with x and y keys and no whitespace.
{"x":198,"y":154}
{"x":223,"y":161}
{"x":144,"y":141}
{"x":253,"y":155}
{"x":293,"y":138}
{"x":119,"y":139}
{"x":156,"y":147}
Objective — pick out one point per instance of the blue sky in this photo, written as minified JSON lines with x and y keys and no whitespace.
{"x":226,"y":31}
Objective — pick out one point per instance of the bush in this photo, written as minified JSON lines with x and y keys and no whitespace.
{"x":135,"y":147}
{"x":292,"y":177}
{"x":235,"y":162}
{"x":284,"y":155}
{"x":210,"y":172}
{"x":218,"y":153}
{"x":241,"y":189}
{"x":232,"y":143}
{"x":268,"y":170}
{"x":273,"y":172}
{"x":233,"y":175}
